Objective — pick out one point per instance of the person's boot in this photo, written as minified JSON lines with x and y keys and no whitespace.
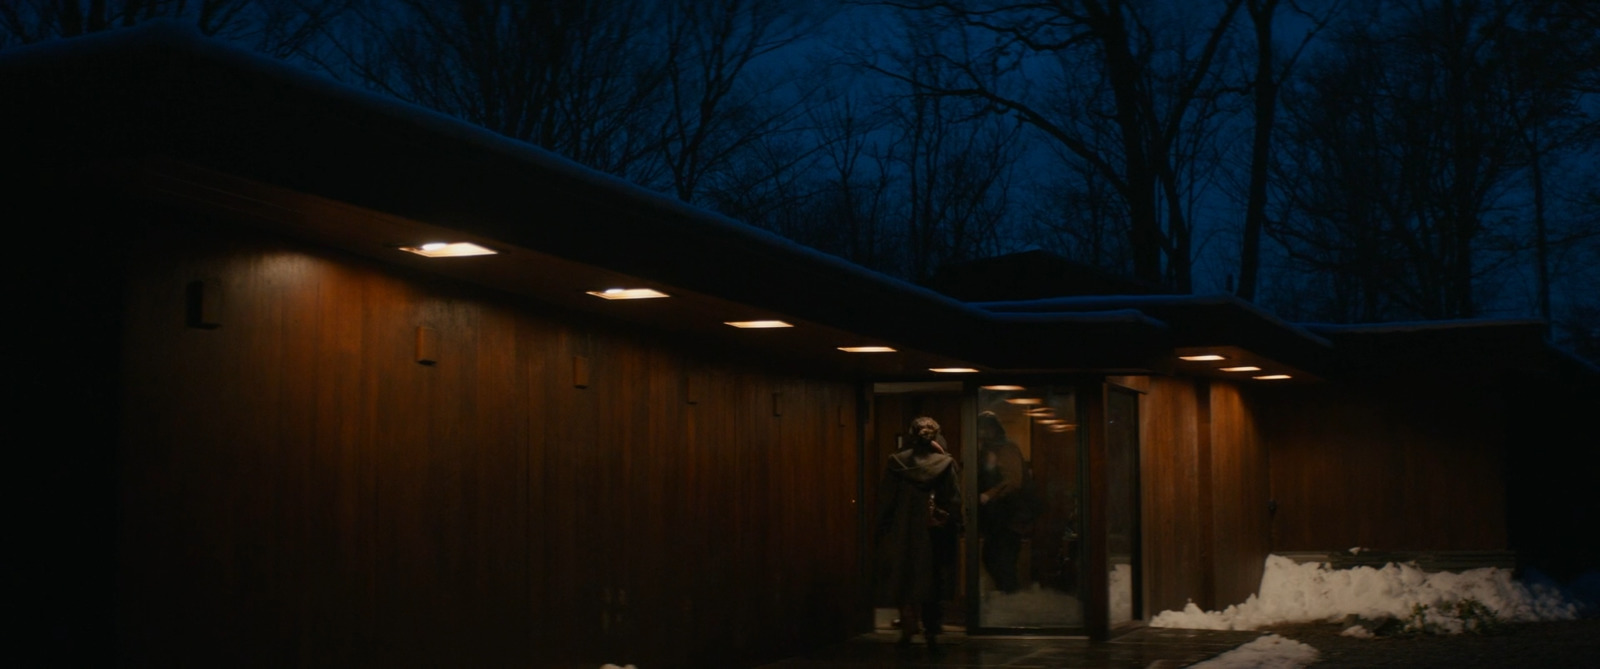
{"x":910,"y":620}
{"x":932,"y":625}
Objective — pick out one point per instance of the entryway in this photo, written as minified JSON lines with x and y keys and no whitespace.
{"x":1029,"y":566}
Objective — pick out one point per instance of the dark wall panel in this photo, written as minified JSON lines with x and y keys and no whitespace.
{"x":1384,"y":467}
{"x":1240,"y":494}
{"x":297,"y":489}
{"x":1171,"y":495}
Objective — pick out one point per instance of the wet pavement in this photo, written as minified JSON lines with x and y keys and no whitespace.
{"x":1149,"y":648}
{"x":1556,"y":644}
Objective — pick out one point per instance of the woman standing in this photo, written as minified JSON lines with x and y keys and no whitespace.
{"x":919,"y":522}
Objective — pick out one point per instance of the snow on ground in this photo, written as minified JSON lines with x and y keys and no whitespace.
{"x":1268,"y":652}
{"x":1292,"y":593}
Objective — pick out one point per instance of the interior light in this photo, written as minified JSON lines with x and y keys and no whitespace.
{"x":1272,"y":377}
{"x":1024,"y":400}
{"x":1202,"y":358}
{"x":1246,"y":368}
{"x":1003,"y":388}
{"x":627,"y":293}
{"x":866,"y":349}
{"x":448,"y":250}
{"x":1041,"y":412}
{"x":952,"y":370}
{"x":758,"y":325}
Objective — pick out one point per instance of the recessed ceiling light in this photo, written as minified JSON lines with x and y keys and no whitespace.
{"x":448,"y":250}
{"x":759,"y":325}
{"x":866,"y":349}
{"x":952,"y":370}
{"x":1246,"y":368}
{"x":1202,"y":358}
{"x":1272,"y":377}
{"x":627,"y":293}
{"x":1003,"y":388}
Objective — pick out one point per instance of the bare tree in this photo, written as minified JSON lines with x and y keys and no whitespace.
{"x":1126,"y":83}
{"x":282,"y":28}
{"x":580,"y":77}
{"x":1410,"y":147}
{"x":718,"y":98}
{"x":1078,"y":215}
{"x":851,"y":198}
{"x":1270,"y":68}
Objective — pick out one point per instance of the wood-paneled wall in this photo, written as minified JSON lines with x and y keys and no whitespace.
{"x":296,"y":489}
{"x":1416,"y":466}
{"x":1240,"y":494}
{"x":1381,"y":466}
{"x":1205,"y":495}
{"x":1175,"y":553}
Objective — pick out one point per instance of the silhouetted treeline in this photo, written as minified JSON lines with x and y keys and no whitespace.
{"x":1333,"y":160}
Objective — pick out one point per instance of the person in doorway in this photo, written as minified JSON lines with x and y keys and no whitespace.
{"x":919,"y":522}
{"x":1003,"y":513}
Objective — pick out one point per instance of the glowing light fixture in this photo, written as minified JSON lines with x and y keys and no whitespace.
{"x":953,"y":370}
{"x":627,"y":293}
{"x":1245,"y":368}
{"x":1041,"y":412}
{"x":448,"y":250}
{"x":866,"y":349}
{"x":1202,"y":358}
{"x":1272,"y":377}
{"x":1003,"y":388}
{"x":1024,"y":400}
{"x":759,"y":325}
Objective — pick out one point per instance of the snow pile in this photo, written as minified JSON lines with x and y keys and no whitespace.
{"x":1121,"y":593}
{"x":1291,"y":593}
{"x":1268,"y":652}
{"x":1357,"y":631}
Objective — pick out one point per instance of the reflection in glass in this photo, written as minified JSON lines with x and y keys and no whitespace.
{"x":1122,"y":501}
{"x":1028,"y":522}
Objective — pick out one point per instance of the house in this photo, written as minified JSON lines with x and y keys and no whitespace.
{"x":270,"y":432}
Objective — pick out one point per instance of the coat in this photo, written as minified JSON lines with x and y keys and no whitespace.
{"x":916,"y":563}
{"x":1013,"y":503}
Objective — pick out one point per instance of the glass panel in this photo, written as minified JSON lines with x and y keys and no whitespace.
{"x":1028,"y":522}
{"x":1122,"y":502}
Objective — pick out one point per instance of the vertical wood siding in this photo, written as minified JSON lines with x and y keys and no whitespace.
{"x":297,"y":489}
{"x":1386,"y":467}
{"x":1170,"y":495}
{"x":1241,"y":492}
{"x":1205,"y":495}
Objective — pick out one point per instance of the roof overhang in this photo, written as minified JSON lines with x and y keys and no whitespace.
{"x":1222,"y":335}
{"x":166,"y":115}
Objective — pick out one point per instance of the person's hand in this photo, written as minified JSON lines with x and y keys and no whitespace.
{"x":983,"y":498}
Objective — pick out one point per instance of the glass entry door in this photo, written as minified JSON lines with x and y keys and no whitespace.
{"x":1026,"y":479}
